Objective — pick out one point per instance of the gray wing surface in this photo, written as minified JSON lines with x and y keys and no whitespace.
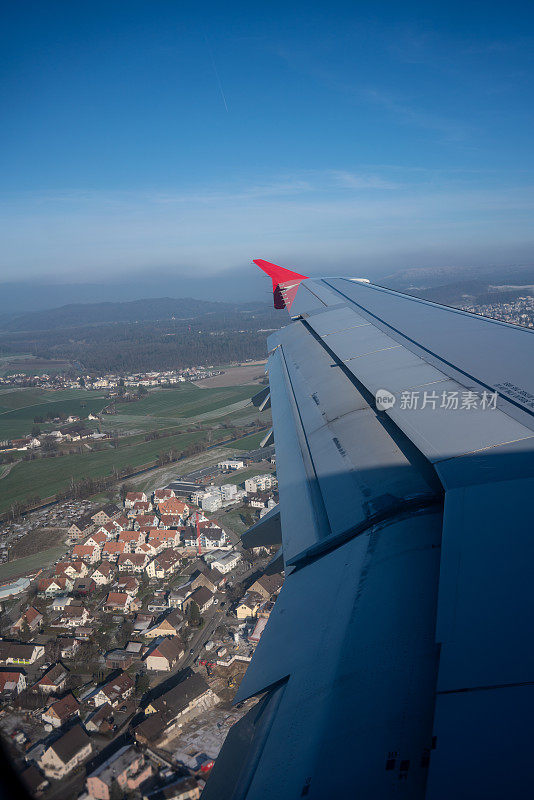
{"x":398,"y":660}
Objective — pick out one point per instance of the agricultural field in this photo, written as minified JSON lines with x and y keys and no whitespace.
{"x":31,"y":365}
{"x":182,"y":416}
{"x":22,"y":566}
{"x":45,"y":476}
{"x":186,"y":400}
{"x":19,"y":407}
{"x":250,"y":442}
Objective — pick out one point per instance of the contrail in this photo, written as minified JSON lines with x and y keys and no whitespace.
{"x":216,"y":73}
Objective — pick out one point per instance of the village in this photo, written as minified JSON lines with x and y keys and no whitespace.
{"x":117,"y":383}
{"x":119,"y":662}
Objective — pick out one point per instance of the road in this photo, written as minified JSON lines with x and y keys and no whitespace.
{"x":212,"y":618}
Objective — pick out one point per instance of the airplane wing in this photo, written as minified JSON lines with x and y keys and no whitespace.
{"x":398,"y":659}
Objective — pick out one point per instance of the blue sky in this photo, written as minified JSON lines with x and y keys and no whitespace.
{"x":192,"y":138}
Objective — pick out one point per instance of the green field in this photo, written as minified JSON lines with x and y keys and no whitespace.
{"x":46,"y":476}
{"x":186,"y":400}
{"x":177,"y":410}
{"x":19,"y":407}
{"x":21,"y":566}
{"x":250,"y":442}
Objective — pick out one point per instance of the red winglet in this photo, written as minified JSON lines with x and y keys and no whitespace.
{"x":285,"y":282}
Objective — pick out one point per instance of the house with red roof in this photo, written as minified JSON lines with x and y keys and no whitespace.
{"x":142,"y":506}
{"x":12,"y":683}
{"x":98,"y":539}
{"x":112,"y":550}
{"x":73,"y":569}
{"x":130,"y":539}
{"x":31,"y":617}
{"x":132,"y":562}
{"x":61,"y":711}
{"x":134,"y":497}
{"x":119,"y":601}
{"x":174,"y":506}
{"x":145,"y":521}
{"x":103,"y":574}
{"x":87,"y":552}
{"x":50,"y":587}
{"x":163,"y":494}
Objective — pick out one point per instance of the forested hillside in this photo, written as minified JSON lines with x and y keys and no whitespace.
{"x":193,"y":333}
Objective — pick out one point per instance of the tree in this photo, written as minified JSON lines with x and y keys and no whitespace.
{"x":142,"y":683}
{"x":124,"y":491}
{"x":194,"y":614}
{"x":36,"y":430}
{"x":25,"y":632}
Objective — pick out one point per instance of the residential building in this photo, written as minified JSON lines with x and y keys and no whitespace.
{"x":87,"y":552}
{"x":106,"y":514}
{"x":163,"y":565}
{"x":74,"y":616}
{"x":132,"y":562}
{"x":112,"y":550}
{"x":69,"y":750}
{"x":50,"y":587}
{"x":185,"y":700}
{"x":211,"y":537}
{"x":145,"y":521}
{"x":82,"y":527}
{"x":53,"y":681}
{"x":61,"y":711}
{"x":127,"y":767}
{"x":130,"y":539}
{"x":30,"y":618}
{"x":249,"y":605}
{"x":83,"y":586}
{"x":203,"y":577}
{"x":166,"y":626}
{"x":103,"y":574}
{"x":174,"y":506}
{"x":165,"y":654}
{"x":72,"y":569}
{"x":68,"y":646}
{"x":267,"y":585}
{"x":101,"y":720}
{"x":229,"y":492}
{"x":211,"y":501}
{"x":202,"y":597}
{"x":127,"y":583}
{"x":12,"y":683}
{"x":20,"y":653}
{"x":142,"y":506}
{"x":118,"y":601}
{"x":115,"y":692}
{"x":162,"y":494}
{"x":227,"y":562}
{"x":133,"y":497}
{"x":97,"y":539}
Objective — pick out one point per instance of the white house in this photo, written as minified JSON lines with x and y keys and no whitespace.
{"x":211,"y":501}
{"x":231,"y":464}
{"x":227,"y":562}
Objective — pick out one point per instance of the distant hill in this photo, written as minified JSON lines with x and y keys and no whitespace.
{"x":462,"y":286}
{"x":76,"y":315}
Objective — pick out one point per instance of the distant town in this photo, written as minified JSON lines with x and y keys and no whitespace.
{"x":517,"y":312}
{"x":117,"y":384}
{"x":119,"y":662}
